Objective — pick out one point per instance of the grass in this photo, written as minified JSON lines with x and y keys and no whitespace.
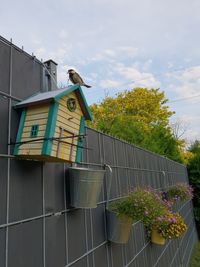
{"x":195,"y":258}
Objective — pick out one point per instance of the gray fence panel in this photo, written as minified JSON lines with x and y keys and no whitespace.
{"x":55,"y":241}
{"x":4,"y":66}
{"x":26,"y":74}
{"x":25,"y":245}
{"x":2,"y":246}
{"x":76,"y":234}
{"x":4,"y":126}
{"x":54,"y":187}
{"x":25,"y":190}
{"x":3,"y":189}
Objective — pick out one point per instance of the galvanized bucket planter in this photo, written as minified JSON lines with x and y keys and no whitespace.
{"x":85,"y":186}
{"x":118,"y":228}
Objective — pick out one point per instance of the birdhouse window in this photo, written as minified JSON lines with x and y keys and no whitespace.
{"x":34,"y":130}
{"x":71,"y":104}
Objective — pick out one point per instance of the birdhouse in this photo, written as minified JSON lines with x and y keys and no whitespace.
{"x":51,"y":127}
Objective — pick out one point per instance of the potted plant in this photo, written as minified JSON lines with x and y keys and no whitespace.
{"x":119,"y":220}
{"x":85,"y":186}
{"x":167,"y":226}
{"x":148,"y":204}
{"x":179,"y":191}
{"x":143,"y":204}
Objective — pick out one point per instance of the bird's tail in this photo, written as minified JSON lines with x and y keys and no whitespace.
{"x":88,"y":86}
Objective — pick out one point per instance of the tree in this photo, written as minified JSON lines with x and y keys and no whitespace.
{"x":139,"y":116}
{"x":194,"y":178}
{"x":195,"y":147}
{"x":179,"y":127}
{"x":147,"y":106}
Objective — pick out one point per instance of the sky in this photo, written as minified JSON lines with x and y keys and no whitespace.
{"x":117,"y":45}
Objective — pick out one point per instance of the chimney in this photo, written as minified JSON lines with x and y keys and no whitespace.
{"x":50,"y":75}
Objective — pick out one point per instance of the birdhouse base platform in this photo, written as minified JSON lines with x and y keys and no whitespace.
{"x":42,"y":158}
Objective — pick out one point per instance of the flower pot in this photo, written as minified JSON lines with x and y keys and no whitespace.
{"x":85,"y":187}
{"x":118,"y":228}
{"x":157,"y":238}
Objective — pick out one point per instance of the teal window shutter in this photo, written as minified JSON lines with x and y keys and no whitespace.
{"x":80,"y":139}
{"x":20,"y":130}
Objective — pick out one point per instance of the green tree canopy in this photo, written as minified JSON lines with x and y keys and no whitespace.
{"x":195,"y":147}
{"x":139,"y":116}
{"x":194,"y":178}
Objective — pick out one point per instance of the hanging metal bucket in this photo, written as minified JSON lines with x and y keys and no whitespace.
{"x":85,"y":187}
{"x":118,"y":228}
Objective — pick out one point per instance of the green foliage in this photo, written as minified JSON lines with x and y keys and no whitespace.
{"x":127,"y":129}
{"x":122,"y":207}
{"x":195,"y":147}
{"x":194,"y":178}
{"x":141,"y":117}
{"x":160,"y":140}
{"x":147,"y":205}
{"x":195,"y":258}
{"x":141,"y":204}
{"x":180,"y":191}
{"x":143,"y":105}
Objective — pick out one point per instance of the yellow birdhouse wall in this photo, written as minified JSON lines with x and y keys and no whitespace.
{"x":34,"y":116}
{"x":67,"y":125}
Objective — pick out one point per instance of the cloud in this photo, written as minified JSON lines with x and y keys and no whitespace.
{"x":137,"y":78}
{"x":191,"y":135}
{"x":147,"y":64}
{"x":59,"y":53}
{"x":40,"y":52}
{"x":128,"y":51}
{"x":63,"y":34}
{"x":116,"y":53}
{"x":186,"y":83}
{"x":106,"y":84}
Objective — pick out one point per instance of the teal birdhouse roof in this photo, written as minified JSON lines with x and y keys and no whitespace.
{"x":55,"y":95}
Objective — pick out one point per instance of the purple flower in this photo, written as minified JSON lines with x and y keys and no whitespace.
{"x":173,"y":219}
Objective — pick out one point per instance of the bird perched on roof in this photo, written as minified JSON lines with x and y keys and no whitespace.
{"x":76,"y":78}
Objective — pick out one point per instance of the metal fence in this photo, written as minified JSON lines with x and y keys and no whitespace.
{"x":37,"y":226}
